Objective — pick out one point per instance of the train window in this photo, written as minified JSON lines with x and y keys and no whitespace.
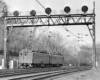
{"x":25,"y":53}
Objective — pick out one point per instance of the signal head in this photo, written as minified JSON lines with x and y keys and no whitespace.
{"x":48,"y":10}
{"x":32,"y":12}
{"x":16,"y":13}
{"x":67,"y":9}
{"x":84,"y":9}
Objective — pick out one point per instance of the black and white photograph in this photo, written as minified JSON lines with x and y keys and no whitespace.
{"x":49,"y":40}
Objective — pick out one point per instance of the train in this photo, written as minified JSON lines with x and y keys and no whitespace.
{"x":34,"y":59}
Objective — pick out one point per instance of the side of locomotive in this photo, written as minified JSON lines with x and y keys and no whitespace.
{"x":56,"y":60}
{"x":29,"y":58}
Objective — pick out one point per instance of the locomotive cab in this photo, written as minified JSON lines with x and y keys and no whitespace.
{"x":29,"y":58}
{"x":24,"y":58}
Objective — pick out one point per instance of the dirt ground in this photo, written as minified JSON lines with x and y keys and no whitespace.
{"x":93,"y":74}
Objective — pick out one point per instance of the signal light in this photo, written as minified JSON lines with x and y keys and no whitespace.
{"x":86,"y":35}
{"x":32,"y":12}
{"x":84,"y":9}
{"x":48,"y":11}
{"x":16,"y":13}
{"x":67,"y":9}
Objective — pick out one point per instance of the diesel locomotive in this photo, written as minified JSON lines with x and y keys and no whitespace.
{"x":34,"y":59}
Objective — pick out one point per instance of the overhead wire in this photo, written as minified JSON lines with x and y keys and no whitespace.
{"x":64,"y":27}
{"x":75,"y":35}
{"x":40,"y":4}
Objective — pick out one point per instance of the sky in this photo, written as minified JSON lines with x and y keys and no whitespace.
{"x":28,"y":5}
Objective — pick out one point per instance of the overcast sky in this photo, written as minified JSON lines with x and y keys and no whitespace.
{"x":27,"y":5}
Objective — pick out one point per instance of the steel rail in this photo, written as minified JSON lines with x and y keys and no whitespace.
{"x":11,"y":72}
{"x":42,"y":75}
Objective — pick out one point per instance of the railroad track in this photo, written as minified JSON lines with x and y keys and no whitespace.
{"x":37,"y":74}
{"x":11,"y":72}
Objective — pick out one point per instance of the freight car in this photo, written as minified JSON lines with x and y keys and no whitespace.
{"x":29,"y":58}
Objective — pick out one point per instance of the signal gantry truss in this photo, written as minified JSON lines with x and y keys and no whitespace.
{"x":50,"y":20}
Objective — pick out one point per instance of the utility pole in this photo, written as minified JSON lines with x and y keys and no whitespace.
{"x":5,"y":36}
{"x":94,"y":38}
{"x":5,"y":46}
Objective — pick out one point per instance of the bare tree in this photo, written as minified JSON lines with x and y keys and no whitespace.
{"x":53,"y":42}
{"x":85,"y":54}
{"x":21,"y":38}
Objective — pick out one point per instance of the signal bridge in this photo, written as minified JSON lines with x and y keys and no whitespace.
{"x":52,"y":20}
